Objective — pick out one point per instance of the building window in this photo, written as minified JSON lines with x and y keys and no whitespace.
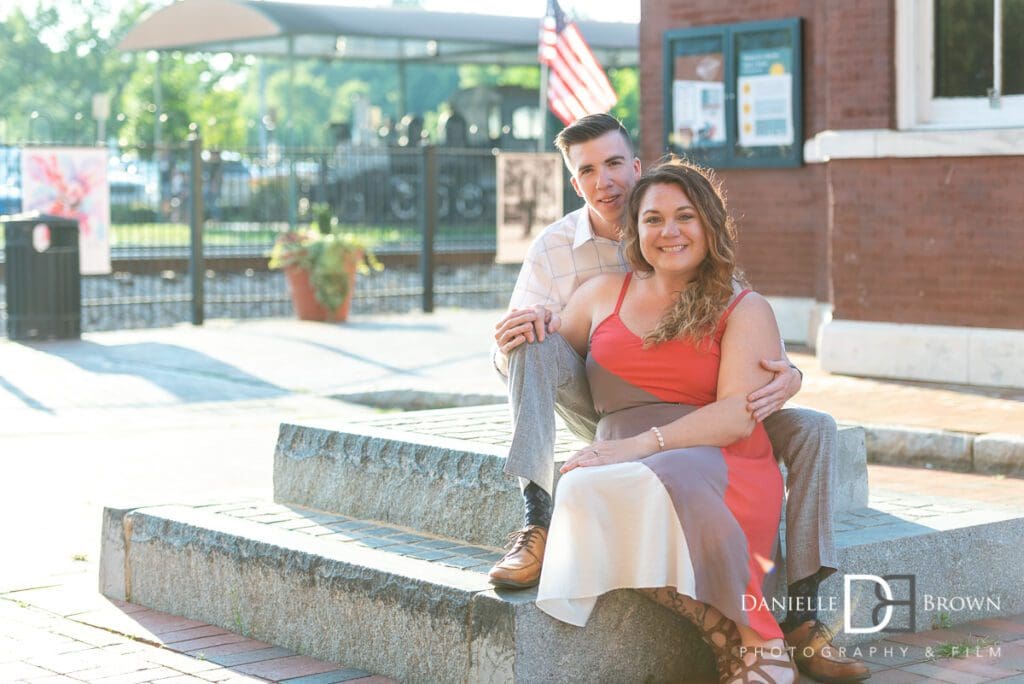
{"x":960,"y":63}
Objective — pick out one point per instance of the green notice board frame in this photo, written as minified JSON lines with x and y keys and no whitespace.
{"x":733,"y":94}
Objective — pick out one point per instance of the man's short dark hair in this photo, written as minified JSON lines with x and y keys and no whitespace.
{"x":588,"y":128}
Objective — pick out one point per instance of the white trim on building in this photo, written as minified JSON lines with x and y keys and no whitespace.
{"x":933,"y":353}
{"x":877,"y":143}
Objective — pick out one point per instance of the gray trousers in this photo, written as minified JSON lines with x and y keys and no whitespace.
{"x":548,"y":377}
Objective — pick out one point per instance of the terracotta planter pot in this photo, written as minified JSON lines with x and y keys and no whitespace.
{"x":307,"y":308}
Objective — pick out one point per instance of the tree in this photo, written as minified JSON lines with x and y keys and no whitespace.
{"x":69,"y":63}
{"x":193,"y":90}
{"x":626,"y":83}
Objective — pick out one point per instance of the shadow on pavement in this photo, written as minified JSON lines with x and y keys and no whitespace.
{"x":23,"y":397}
{"x":188,"y":375}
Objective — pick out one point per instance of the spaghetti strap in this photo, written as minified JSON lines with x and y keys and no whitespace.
{"x":622,"y":292}
{"x":735,"y":301}
{"x":728,"y":310}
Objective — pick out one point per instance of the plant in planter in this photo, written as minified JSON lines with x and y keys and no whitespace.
{"x":321,"y":266}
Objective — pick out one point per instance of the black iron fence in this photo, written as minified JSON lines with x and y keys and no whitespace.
{"x":437,"y":252}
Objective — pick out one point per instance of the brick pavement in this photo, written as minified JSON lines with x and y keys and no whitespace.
{"x":986,"y":489}
{"x":68,"y":632}
{"x":956,"y":408}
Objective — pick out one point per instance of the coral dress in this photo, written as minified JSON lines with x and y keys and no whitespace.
{"x":703,"y":519}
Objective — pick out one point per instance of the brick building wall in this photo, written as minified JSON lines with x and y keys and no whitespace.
{"x":909,"y":240}
{"x":930,"y":241}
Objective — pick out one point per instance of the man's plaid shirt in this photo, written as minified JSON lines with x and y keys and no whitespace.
{"x":563,"y":257}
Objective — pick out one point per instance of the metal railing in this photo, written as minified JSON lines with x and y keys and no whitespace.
{"x":436,"y":252}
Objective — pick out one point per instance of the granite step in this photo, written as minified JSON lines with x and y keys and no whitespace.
{"x":441,"y":471}
{"x":417,"y":607}
{"x":386,"y":599}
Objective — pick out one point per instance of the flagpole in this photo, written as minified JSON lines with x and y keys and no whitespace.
{"x":542,"y":140}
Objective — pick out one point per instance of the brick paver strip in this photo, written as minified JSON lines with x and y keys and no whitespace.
{"x":439,"y":544}
{"x":286,"y":668}
{"x":125,"y":607}
{"x":460,"y":562}
{"x":923,"y":639}
{"x":220,"y":639}
{"x":333,"y":677}
{"x":975,"y":631}
{"x":162,"y":623}
{"x":227,"y":649}
{"x":233,"y":659}
{"x":192,"y":633}
{"x":430,"y":554}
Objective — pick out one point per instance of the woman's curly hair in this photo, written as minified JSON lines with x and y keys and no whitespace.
{"x":696,"y":313}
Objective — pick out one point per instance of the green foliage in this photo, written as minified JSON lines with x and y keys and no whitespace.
{"x":191,"y":92}
{"x":135,"y":213}
{"x":55,"y":66}
{"x":329,"y":255}
{"x":626,"y":82}
{"x":69,"y":49}
{"x":473,"y":75}
{"x":304,"y":105}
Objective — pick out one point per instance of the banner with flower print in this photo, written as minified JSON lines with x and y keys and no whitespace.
{"x":72,"y":182}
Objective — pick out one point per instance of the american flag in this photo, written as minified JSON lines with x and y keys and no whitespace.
{"x":577,"y":84}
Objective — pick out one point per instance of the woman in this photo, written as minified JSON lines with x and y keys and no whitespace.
{"x":680,"y":496}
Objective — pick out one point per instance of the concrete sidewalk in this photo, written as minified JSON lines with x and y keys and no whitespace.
{"x":265,"y":361}
{"x":190,"y":414}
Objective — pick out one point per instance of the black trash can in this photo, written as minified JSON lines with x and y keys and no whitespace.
{"x":43,"y":285}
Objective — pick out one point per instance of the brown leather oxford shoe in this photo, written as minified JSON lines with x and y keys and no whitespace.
{"x":520,"y":567}
{"x":816,"y":657}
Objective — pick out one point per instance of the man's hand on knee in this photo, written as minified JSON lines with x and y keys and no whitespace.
{"x":520,"y":326}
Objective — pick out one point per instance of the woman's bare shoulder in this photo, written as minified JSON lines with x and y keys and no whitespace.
{"x":601,"y":284}
{"x":753,"y":308}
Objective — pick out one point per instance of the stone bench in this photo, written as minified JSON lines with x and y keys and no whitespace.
{"x":375,"y":550}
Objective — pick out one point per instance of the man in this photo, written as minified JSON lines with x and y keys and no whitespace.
{"x":545,"y":375}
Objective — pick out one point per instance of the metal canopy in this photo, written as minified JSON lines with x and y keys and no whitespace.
{"x":264,"y":27}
